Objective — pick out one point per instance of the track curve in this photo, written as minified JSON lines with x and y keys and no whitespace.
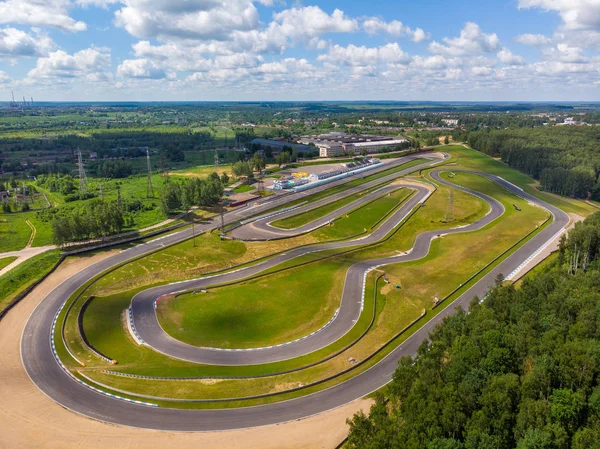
{"x":45,"y":372}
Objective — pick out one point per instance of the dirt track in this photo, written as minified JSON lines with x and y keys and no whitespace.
{"x":31,"y":420}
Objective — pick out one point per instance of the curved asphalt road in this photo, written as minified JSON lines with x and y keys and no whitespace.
{"x":53,"y":381}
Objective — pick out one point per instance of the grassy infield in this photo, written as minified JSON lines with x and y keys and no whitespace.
{"x":452,"y":259}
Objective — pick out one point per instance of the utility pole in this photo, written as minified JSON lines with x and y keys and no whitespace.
{"x":101,"y":192}
{"x":449,"y":217}
{"x":149,"y":189}
{"x":216,"y":159}
{"x":82,"y":177}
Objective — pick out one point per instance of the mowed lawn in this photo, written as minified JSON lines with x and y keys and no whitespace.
{"x":364,"y":218}
{"x":301,"y":219}
{"x":261,"y":312}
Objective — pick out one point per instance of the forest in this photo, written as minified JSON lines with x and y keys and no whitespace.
{"x":565,"y":159}
{"x":520,"y":369}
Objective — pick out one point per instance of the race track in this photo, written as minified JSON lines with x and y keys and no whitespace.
{"x":51,"y":378}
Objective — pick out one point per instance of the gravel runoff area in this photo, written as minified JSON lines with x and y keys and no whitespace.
{"x":32,"y":420}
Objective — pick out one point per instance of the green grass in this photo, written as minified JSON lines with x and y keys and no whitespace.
{"x":22,"y":276}
{"x":243,"y":188}
{"x":262,"y":312}
{"x":6,"y":261}
{"x":15,"y":233}
{"x":365,"y":217}
{"x":296,"y":221}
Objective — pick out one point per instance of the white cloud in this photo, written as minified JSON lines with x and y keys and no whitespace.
{"x":507,"y":57}
{"x":16,"y":43}
{"x":481,"y":70}
{"x":363,"y":56}
{"x":142,"y":68}
{"x":48,"y":13}
{"x":91,"y":63}
{"x":374,"y":25}
{"x":472,"y":41}
{"x":565,"y":53}
{"x":533,"y":39}
{"x":186,"y":19}
{"x":4,"y":78}
{"x":576,"y":14}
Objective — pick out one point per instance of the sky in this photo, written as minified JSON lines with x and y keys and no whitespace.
{"x":246,"y":50}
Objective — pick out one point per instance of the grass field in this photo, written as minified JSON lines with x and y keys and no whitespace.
{"x":22,"y":276}
{"x":6,"y":261}
{"x":185,"y":261}
{"x":15,"y":233}
{"x":261,"y":312}
{"x":365,"y":217}
{"x":296,"y":221}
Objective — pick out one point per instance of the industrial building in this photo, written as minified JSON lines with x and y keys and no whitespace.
{"x":337,"y":143}
{"x":347,"y":168}
{"x":277,"y":146}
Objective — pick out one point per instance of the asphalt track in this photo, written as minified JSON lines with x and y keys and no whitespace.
{"x":46,"y":373}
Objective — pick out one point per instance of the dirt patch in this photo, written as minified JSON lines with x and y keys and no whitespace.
{"x":31,"y":420}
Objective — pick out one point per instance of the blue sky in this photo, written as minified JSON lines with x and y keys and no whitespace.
{"x":521,"y":50}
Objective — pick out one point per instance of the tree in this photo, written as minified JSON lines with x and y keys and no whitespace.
{"x":258,"y":163}
{"x":170,"y":198}
{"x":224,"y":179}
{"x":446,"y":140}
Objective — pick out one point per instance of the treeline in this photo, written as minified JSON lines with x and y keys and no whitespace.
{"x":182,"y":194}
{"x":566,"y":160}
{"x":64,"y":184}
{"x":114,"y":169}
{"x":96,"y":219}
{"x":521,"y":369}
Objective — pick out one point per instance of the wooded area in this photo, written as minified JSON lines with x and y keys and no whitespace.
{"x":519,"y":370}
{"x":565,"y":159}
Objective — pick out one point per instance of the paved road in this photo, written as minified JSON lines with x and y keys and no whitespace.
{"x":53,"y":381}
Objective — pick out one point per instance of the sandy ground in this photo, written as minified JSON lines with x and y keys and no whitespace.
{"x":28,"y":419}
